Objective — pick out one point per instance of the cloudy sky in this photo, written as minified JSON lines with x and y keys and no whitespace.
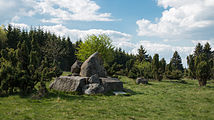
{"x":161,"y":26}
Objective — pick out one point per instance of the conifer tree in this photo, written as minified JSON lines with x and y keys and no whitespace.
{"x":156,"y":70}
{"x":142,"y":56}
{"x":201,"y":63}
{"x":176,"y":62}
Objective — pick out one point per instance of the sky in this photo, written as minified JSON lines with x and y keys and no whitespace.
{"x":161,"y":26}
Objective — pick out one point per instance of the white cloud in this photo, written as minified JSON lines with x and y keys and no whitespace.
{"x":56,"y":11}
{"x":164,"y":50}
{"x":82,"y":10}
{"x":184,"y":19}
{"x":11,"y":10}
{"x":203,"y":42}
{"x":20,"y":25}
{"x":119,"y":39}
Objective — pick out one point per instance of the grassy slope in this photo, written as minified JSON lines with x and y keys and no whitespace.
{"x":159,"y":100}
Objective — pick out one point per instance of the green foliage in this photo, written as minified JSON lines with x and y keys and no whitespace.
{"x":144,"y":69}
{"x":174,"y":74}
{"x":121,"y":63}
{"x":133,"y":73}
{"x":200,"y":62}
{"x":203,"y":73}
{"x":176,"y":62}
{"x":142,"y":56}
{"x":156,"y":68}
{"x":3,"y":38}
{"x":174,"y":70}
{"x":27,"y":65}
{"x":8,"y":71}
{"x":92,"y":44}
{"x":13,"y":36}
{"x":190,"y":62}
{"x":162,"y":65}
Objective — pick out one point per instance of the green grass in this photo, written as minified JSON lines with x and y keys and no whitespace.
{"x":164,"y":100}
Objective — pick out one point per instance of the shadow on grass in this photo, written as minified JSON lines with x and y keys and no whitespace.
{"x":131,"y":92}
{"x":178,"y":81}
{"x":211,"y":87}
{"x":67,"y":96}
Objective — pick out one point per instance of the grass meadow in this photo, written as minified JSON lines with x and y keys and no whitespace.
{"x":169,"y":99}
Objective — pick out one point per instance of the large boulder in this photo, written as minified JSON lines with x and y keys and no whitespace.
{"x":93,"y":65}
{"x":112,"y":84}
{"x":94,"y":79}
{"x":142,"y":81}
{"x":93,"y":88}
{"x":69,"y":83}
{"x":75,"y":68}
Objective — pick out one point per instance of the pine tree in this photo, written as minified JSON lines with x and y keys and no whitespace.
{"x":156,"y":70}
{"x":176,"y":62}
{"x":3,"y":38}
{"x":163,"y":65}
{"x":142,"y":56}
{"x":22,"y":55}
{"x":201,"y":63}
{"x":198,"y":49}
{"x":8,"y":71}
{"x":207,"y":51}
{"x":13,"y":36}
{"x":190,"y":62}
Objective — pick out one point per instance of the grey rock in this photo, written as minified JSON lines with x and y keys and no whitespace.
{"x":93,"y":65}
{"x":75,"y":68}
{"x":68,"y":83}
{"x":112,"y":84}
{"x":94,"y":79}
{"x":142,"y":81}
{"x":93,"y":88}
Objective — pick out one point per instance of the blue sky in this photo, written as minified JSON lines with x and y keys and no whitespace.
{"x":161,"y":26}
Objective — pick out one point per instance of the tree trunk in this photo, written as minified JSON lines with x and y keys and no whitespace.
{"x":202,"y":82}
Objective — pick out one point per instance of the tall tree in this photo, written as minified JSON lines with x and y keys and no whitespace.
{"x":191,"y":70}
{"x":201,"y":63}
{"x":198,"y":49}
{"x":156,"y":70}
{"x":13,"y":36}
{"x":162,"y":65}
{"x":142,"y":56}
{"x":101,"y":43}
{"x":3,"y":38}
{"x":176,"y":62}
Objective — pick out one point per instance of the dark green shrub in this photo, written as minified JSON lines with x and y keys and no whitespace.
{"x":175,"y":74}
{"x":203,"y":73}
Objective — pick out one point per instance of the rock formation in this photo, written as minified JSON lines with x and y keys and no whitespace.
{"x":69,"y":83}
{"x":92,"y":79}
{"x":75,"y":68}
{"x":93,"y":65}
{"x":141,"y":80}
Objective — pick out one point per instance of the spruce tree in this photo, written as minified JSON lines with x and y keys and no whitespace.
{"x":176,"y":62}
{"x":163,"y":65}
{"x":198,"y":49}
{"x":191,"y":70}
{"x":156,"y":70}
{"x":8,"y":71}
{"x":174,"y":69}
{"x":142,"y":56}
{"x":22,"y":55}
{"x":201,"y":63}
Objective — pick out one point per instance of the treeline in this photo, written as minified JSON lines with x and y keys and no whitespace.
{"x":32,"y":57}
{"x":201,"y":64}
{"x":28,"y":58}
